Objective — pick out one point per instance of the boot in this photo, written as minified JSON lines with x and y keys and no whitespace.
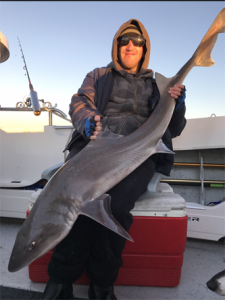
{"x":55,"y":290}
{"x":98,"y":292}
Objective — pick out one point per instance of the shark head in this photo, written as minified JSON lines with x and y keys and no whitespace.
{"x":30,"y":245}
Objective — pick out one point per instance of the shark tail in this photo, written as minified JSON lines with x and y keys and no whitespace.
{"x":202,"y":56}
{"x":99,"y":209}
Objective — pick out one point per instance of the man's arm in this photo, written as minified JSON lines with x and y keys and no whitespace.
{"x":82,"y":105}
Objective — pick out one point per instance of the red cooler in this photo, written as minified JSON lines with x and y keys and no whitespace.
{"x":155,"y":258}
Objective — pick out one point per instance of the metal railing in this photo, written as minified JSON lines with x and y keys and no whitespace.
{"x":50,"y":110}
{"x":47,"y":106}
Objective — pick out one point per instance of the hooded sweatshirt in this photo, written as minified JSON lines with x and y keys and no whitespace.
{"x":130,"y":102}
{"x":98,"y":88}
{"x":125,"y":98}
{"x":147,"y":46}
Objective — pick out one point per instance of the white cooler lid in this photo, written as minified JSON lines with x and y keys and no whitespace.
{"x":164,"y":204}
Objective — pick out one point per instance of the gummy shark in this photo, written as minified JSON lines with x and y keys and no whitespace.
{"x":79,"y":186}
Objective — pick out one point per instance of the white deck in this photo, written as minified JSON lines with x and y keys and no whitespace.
{"x":202,"y":260}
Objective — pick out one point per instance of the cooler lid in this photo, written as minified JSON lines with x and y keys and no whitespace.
{"x":160,"y":204}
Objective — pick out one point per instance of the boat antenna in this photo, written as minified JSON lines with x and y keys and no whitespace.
{"x":33,"y":94}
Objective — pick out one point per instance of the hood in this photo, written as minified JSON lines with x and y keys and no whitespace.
{"x":145,"y":62}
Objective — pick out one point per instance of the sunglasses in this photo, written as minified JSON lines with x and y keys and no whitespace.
{"x":137,"y":41}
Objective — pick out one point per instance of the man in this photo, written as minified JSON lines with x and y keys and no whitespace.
{"x":126,"y":93}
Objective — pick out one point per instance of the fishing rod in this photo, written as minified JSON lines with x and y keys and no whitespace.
{"x":33,"y":94}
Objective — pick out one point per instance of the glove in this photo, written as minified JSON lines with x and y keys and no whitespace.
{"x":181,"y":98}
{"x":90,"y":126}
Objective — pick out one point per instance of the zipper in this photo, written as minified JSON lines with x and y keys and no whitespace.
{"x":133,"y":108}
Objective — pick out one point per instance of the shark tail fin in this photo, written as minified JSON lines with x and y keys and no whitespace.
{"x":99,"y":209}
{"x":161,"y":148}
{"x":202,"y":56}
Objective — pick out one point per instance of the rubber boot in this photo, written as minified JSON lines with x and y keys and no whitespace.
{"x":98,"y":292}
{"x":55,"y":290}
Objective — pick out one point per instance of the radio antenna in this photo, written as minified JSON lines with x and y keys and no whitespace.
{"x":33,"y":94}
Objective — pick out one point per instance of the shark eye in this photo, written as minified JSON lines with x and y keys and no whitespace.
{"x":31,"y":246}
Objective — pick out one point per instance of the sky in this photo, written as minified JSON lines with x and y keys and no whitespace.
{"x":63,"y":41}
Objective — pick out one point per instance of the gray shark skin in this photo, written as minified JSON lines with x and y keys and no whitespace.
{"x":79,"y":186}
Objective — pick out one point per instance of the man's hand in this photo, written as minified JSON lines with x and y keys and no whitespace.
{"x":176,"y":90}
{"x":178,"y":93}
{"x":98,"y":128}
{"x":93,"y":127}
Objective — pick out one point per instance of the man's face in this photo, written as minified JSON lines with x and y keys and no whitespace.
{"x":130,"y":56}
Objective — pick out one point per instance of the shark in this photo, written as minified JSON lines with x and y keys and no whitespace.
{"x":79,"y":187}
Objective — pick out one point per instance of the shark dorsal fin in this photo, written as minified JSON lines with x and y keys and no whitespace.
{"x":106,"y":131}
{"x":106,"y":136}
{"x":163,"y":83}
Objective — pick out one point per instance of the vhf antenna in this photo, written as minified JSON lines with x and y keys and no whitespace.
{"x":33,"y":94}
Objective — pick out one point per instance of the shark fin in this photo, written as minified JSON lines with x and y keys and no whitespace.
{"x":202,"y":55}
{"x":104,"y":137}
{"x":99,"y":209}
{"x":161,"y":148}
{"x":163,"y":83}
{"x":106,"y":132}
{"x":104,"y":123}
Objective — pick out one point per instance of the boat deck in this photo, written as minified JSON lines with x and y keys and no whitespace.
{"x":202,"y":260}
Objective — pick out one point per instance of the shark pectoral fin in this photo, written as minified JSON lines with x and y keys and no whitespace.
{"x":161,"y":148}
{"x":99,"y":210}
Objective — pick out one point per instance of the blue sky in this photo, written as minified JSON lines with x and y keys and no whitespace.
{"x":63,"y":41}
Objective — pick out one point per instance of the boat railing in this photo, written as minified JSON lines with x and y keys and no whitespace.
{"x":50,"y":110}
{"x":46,"y":107}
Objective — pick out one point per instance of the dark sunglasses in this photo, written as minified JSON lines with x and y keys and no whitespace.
{"x":137,"y":41}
